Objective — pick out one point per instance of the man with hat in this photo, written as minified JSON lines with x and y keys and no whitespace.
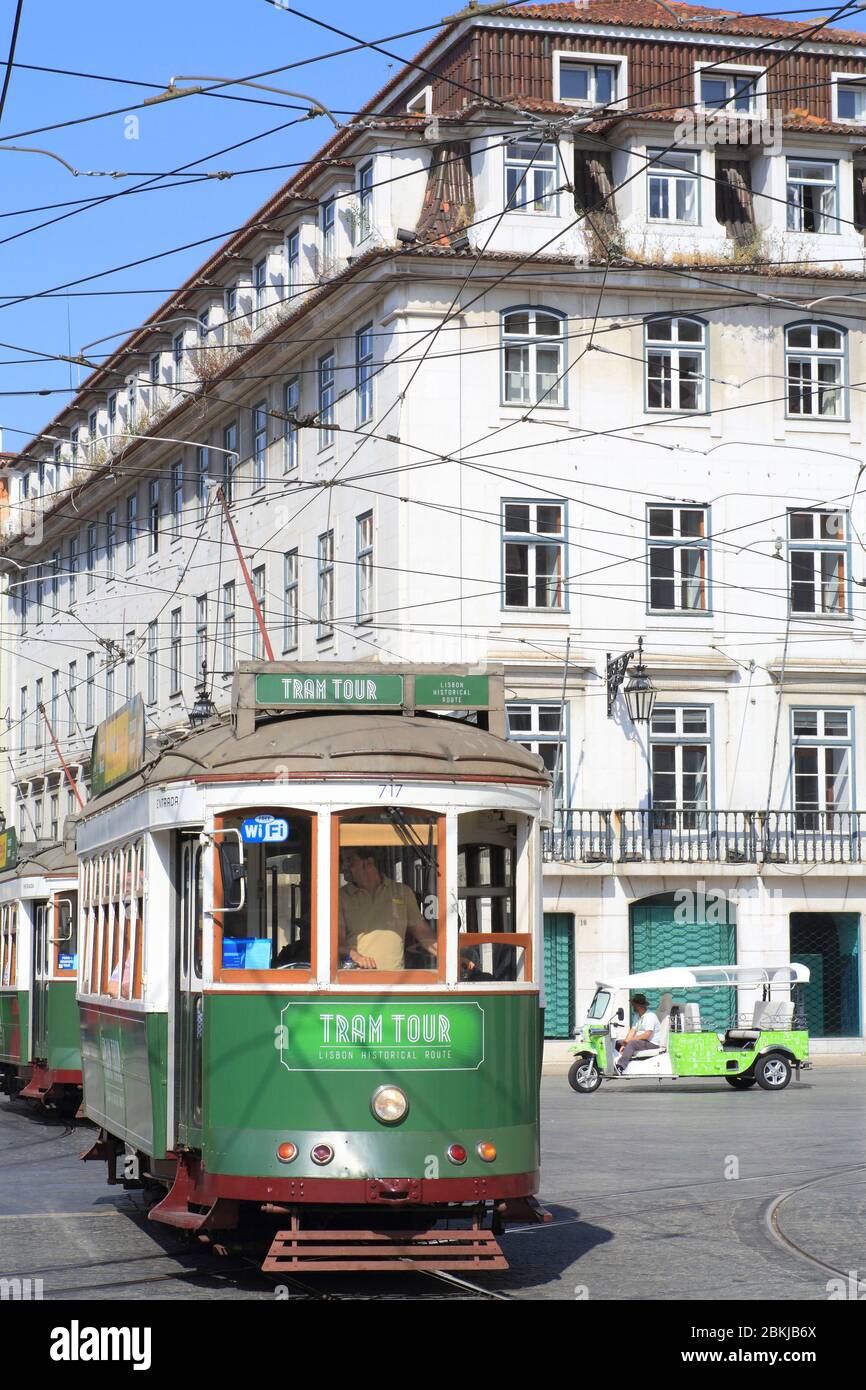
{"x":643,"y":1036}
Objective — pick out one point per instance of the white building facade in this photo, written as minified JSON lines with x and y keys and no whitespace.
{"x":539,"y":357}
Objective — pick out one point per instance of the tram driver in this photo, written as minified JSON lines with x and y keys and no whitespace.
{"x":377,"y":913}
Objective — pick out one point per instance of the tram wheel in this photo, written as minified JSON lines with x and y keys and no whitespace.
{"x":773,"y":1072}
{"x":584,"y":1075}
{"x":741,"y":1082}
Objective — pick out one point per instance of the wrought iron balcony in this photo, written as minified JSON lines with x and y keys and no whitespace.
{"x":662,"y":836}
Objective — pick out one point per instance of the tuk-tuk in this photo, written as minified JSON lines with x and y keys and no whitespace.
{"x":768,"y":1044}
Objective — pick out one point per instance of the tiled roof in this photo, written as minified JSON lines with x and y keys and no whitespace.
{"x":672,"y":14}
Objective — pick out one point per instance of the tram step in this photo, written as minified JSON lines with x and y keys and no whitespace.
{"x":384,"y":1250}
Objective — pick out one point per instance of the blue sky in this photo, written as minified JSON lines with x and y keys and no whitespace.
{"x":149,"y":44}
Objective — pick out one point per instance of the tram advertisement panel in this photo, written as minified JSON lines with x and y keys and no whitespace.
{"x":405,"y":1035}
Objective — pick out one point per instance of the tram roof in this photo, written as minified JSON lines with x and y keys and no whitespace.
{"x":34,"y":859}
{"x":323,"y":746}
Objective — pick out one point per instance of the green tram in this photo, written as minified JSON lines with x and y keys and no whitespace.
{"x":307,"y":980}
{"x":39,"y":1030}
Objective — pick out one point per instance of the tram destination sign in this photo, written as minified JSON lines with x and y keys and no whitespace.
{"x":461,"y":692}
{"x":8,"y":849}
{"x":403,"y":1036}
{"x":308,"y":691}
{"x":118,"y":747}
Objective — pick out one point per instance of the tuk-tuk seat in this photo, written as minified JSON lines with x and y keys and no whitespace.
{"x":662,"y":1046}
{"x":740,"y":1037}
{"x":774,"y":1013}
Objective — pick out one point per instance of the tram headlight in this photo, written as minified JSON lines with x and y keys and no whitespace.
{"x":389,"y":1104}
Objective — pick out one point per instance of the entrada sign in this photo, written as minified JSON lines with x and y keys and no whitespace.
{"x":405,"y":1036}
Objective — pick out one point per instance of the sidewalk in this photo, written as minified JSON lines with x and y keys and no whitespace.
{"x":558,"y":1057}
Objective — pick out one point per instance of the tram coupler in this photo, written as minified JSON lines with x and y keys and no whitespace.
{"x":520,"y":1211}
{"x":105,"y":1148}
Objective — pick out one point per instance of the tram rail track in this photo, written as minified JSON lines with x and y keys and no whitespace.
{"x":772,"y":1220}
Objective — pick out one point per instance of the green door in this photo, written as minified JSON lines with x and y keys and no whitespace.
{"x":829,"y":943}
{"x":558,"y":974}
{"x":683,"y":929}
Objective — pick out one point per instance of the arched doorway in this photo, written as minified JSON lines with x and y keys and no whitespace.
{"x":688,"y":927}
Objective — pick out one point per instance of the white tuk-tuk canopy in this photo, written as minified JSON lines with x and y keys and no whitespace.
{"x":711,"y":977}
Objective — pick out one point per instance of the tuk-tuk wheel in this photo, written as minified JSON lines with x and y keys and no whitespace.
{"x":741,"y":1082}
{"x":584,"y":1075}
{"x":773,"y":1072}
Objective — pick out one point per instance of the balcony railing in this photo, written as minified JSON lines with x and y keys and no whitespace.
{"x":652,"y":835}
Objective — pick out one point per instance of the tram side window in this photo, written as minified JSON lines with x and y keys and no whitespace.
{"x":8,"y":945}
{"x":491,"y":948}
{"x":65,"y":934}
{"x":390,"y":907}
{"x":272,"y":928}
{"x":113,"y":913}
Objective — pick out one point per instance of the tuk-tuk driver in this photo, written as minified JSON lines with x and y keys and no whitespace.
{"x":643,"y":1036}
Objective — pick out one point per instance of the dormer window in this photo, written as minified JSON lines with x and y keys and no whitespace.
{"x":592,"y":84}
{"x":672,"y":193}
{"x":849,"y":99}
{"x":589,"y":79}
{"x":813,"y":201}
{"x":735,"y":91}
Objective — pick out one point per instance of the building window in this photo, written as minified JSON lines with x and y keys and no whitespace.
{"x":109,"y":692}
{"x":327,"y":392}
{"x":675,"y":350}
{"x":293,"y":263}
{"x":815,"y":370}
{"x":329,"y":233}
{"x":732,"y":91}
{"x":543,"y":729}
{"x":154,"y":380}
{"x":40,"y":594}
{"x":326,"y":585}
{"x":74,"y":436}
{"x":680,"y":765}
{"x":533,"y":357}
{"x":813,"y":204}
{"x":533,"y":544}
{"x":53,"y":816}
{"x":152,"y":657}
{"x":72,"y":699}
{"x":850,"y":104}
{"x":90,"y":692}
{"x":177,"y":356}
{"x":531,"y":177}
{"x":202,"y":473}
{"x":55,"y":582}
{"x":292,"y":405}
{"x":153,"y":516}
{"x":176,"y":499}
{"x":203,"y":325}
{"x":73,"y":569}
{"x":112,"y":417}
{"x":91,"y":556}
{"x":260,"y":289}
{"x":175,"y":652}
{"x":230,"y":301}
{"x":230,"y":462}
{"x":260,"y":590}
{"x":364,"y":373}
{"x":290,"y":601}
{"x":22,"y":721}
{"x":129,"y":684}
{"x":818,"y":556}
{"x":228,"y":627}
{"x":200,"y":636}
{"x":365,"y":200}
{"x":260,"y":444}
{"x":364,"y":567}
{"x":672,"y":183}
{"x":821,"y":754}
{"x":679,"y":559}
{"x":131,"y":528}
{"x":110,"y":542}
{"x":590,"y":84}
{"x":37,"y":714}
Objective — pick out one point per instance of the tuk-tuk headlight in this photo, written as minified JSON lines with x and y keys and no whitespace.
{"x":389,"y":1104}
